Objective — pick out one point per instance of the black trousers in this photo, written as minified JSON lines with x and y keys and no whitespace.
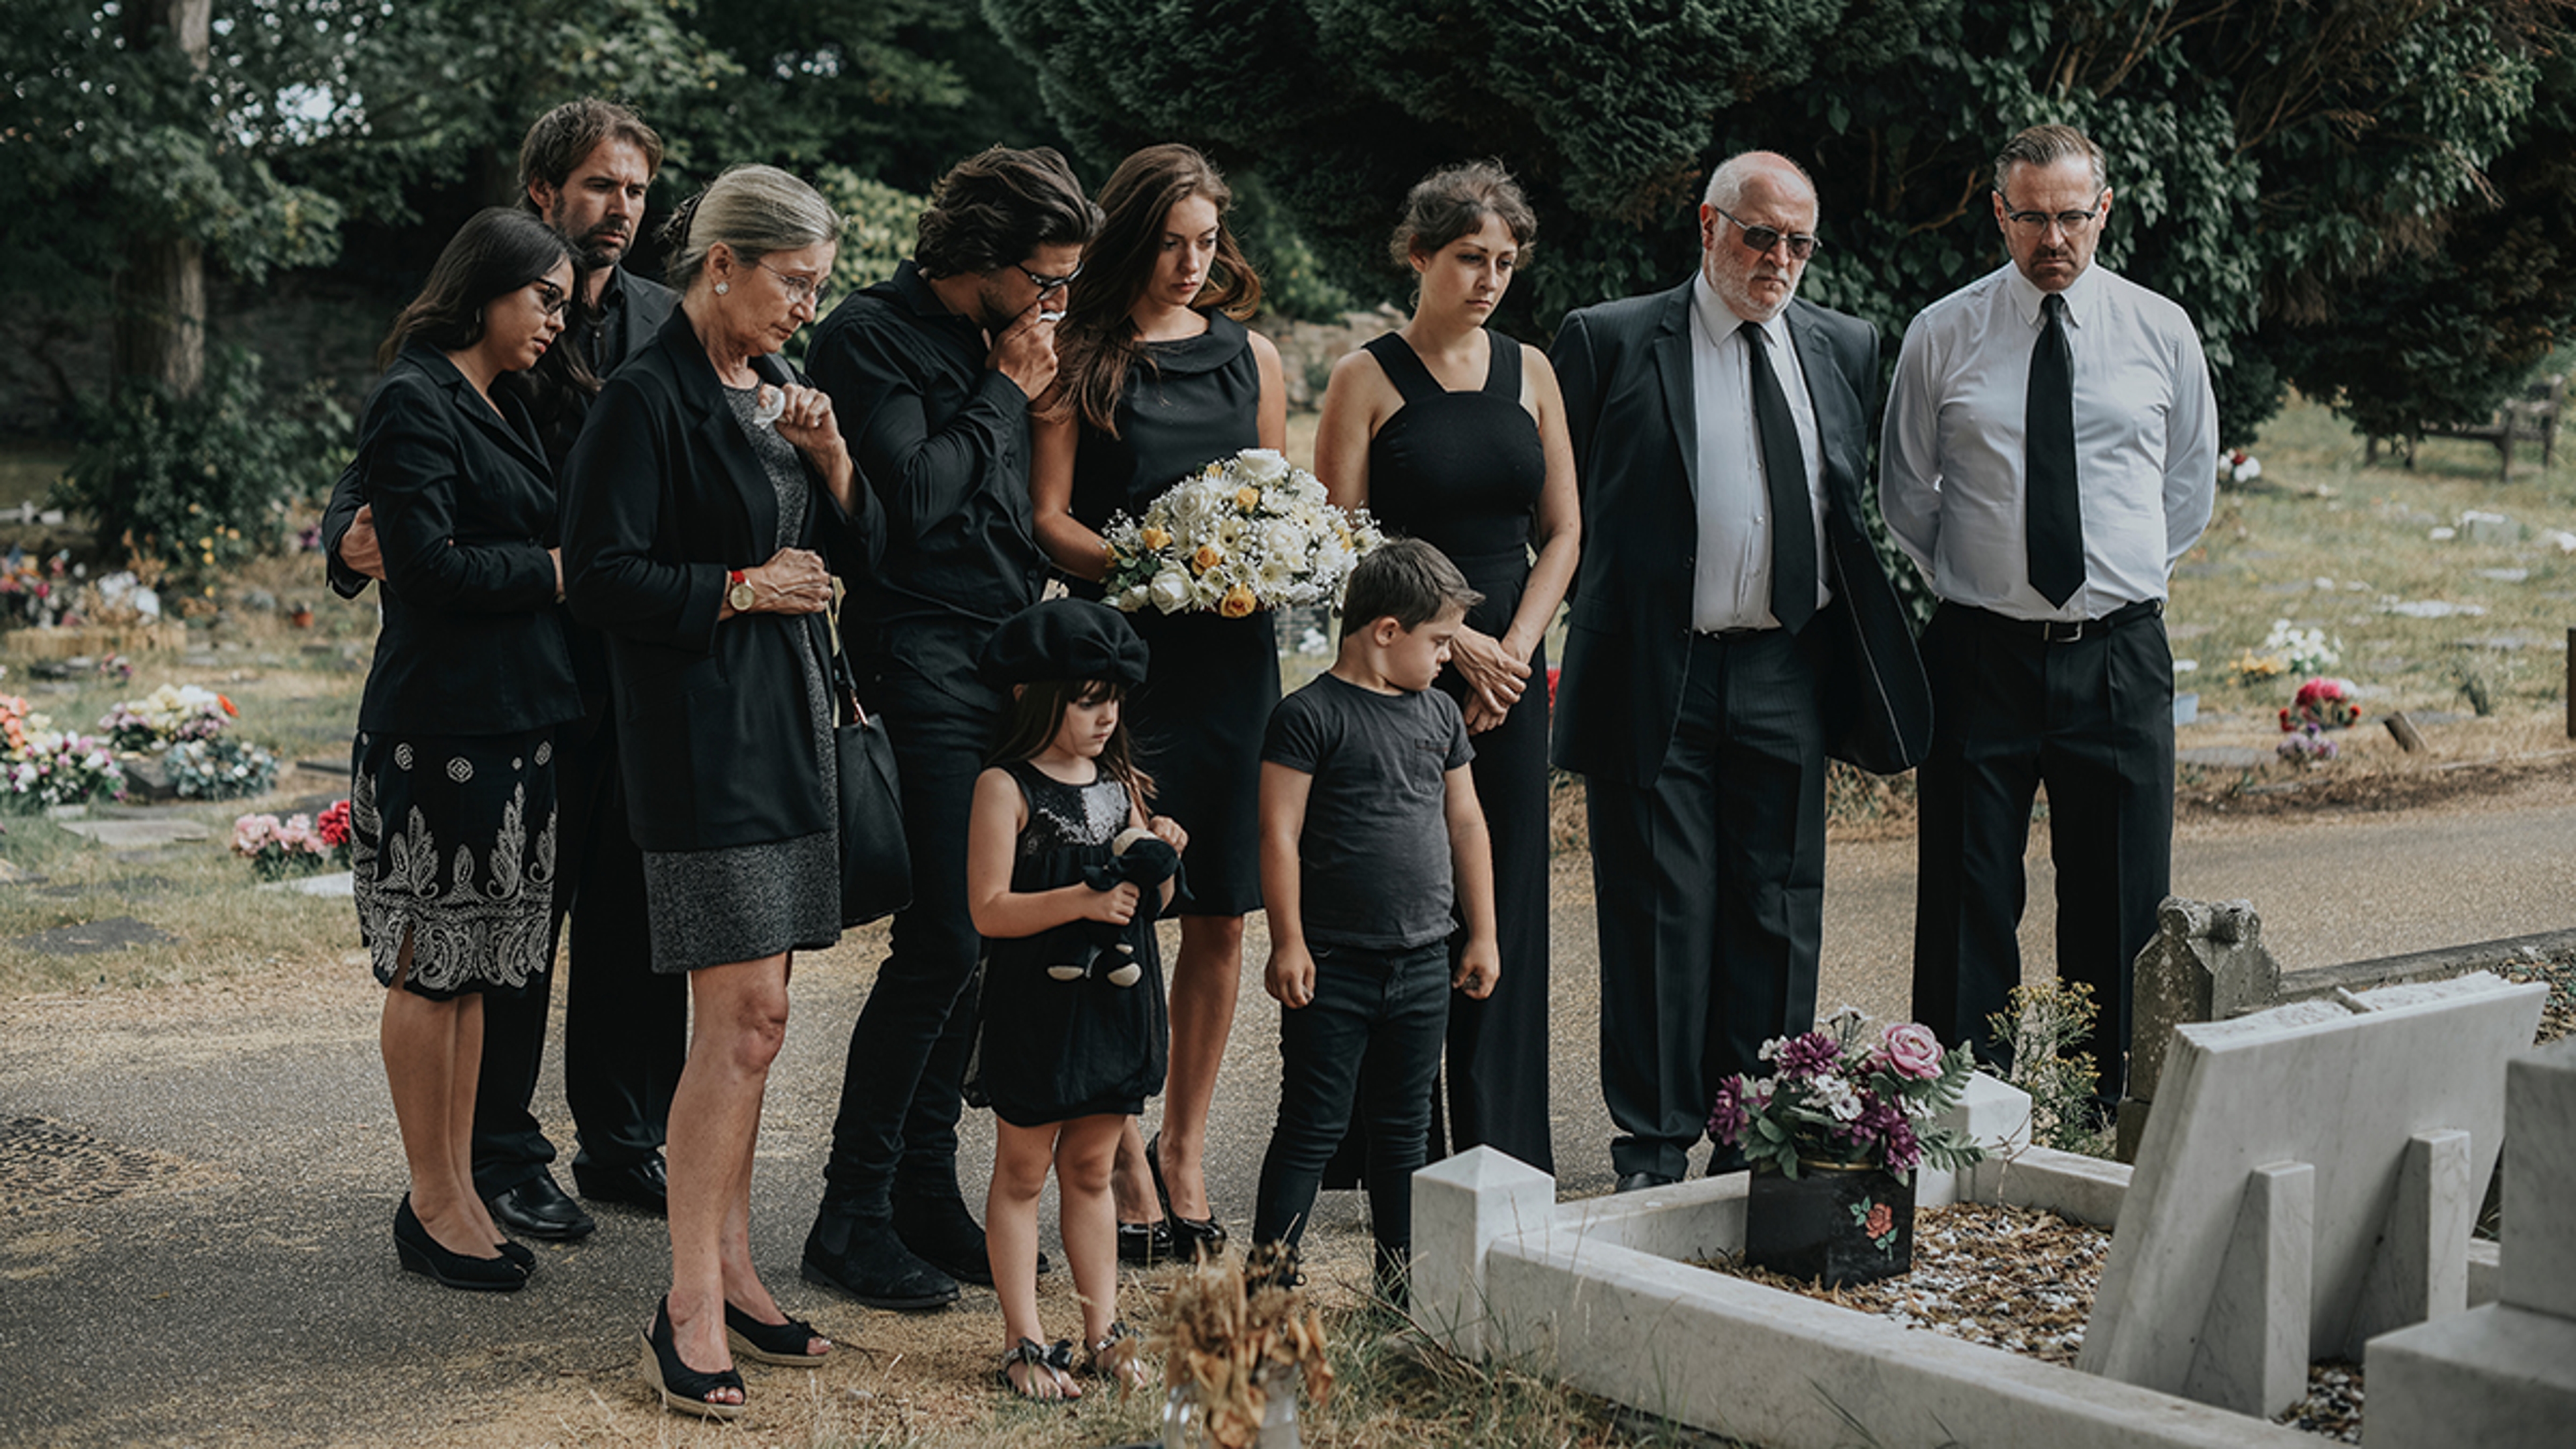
{"x":1710,"y":885}
{"x":2093,"y":721}
{"x":901,"y":1088}
{"x":625,"y":1026}
{"x":1366,"y":1046}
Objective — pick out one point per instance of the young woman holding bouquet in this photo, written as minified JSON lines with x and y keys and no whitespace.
{"x":1455,"y":434}
{"x":1159,"y":378}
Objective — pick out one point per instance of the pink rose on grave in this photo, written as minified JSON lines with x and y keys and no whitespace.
{"x":1911,"y":1050}
{"x":1879,"y":1221}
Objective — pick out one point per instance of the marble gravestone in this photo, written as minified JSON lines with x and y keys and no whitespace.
{"x":2309,"y":1179}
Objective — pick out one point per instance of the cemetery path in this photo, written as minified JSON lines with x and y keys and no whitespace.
{"x":196,"y":1181}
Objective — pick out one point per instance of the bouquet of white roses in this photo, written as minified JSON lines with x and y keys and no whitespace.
{"x":1243,"y":533}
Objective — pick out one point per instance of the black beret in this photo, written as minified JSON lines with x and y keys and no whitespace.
{"x":1063,"y":639}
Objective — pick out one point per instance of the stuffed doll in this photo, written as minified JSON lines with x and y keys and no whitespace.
{"x":1137,"y":857}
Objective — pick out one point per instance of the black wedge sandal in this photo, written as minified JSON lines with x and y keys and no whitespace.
{"x":1055,"y":1359}
{"x":682,"y":1387}
{"x":783,"y":1344}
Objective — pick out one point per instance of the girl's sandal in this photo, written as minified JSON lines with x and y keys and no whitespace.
{"x":1116,"y":1359}
{"x":1047,"y":1365}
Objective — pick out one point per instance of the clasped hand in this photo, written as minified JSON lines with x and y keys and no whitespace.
{"x":1495,"y":677}
{"x":794,"y":581}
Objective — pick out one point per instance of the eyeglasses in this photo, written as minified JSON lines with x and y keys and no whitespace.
{"x":1802,"y":245}
{"x":801,"y":291}
{"x":1045,"y":283}
{"x":551,"y":299}
{"x":2040,"y":221}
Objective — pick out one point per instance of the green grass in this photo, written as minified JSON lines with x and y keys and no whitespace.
{"x":28,"y":471}
{"x":2327,"y":541}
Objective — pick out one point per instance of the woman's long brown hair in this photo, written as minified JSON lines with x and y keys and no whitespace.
{"x":1098,"y":343}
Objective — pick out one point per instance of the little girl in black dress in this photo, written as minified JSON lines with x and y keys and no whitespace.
{"x":1063,"y":1063}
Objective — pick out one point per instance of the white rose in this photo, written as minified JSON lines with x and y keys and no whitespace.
{"x":1136,"y":597}
{"x":1282,"y":538}
{"x":1332,"y":560}
{"x":1261,"y":467}
{"x":1170,"y":591}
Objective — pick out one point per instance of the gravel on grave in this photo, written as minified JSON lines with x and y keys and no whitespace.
{"x":2023,"y":1280}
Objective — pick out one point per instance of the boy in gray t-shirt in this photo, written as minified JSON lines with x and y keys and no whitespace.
{"x":1368,"y":816}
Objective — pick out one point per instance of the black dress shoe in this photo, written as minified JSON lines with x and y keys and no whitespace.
{"x":537,"y":1208}
{"x":942,"y":1233}
{"x":643,"y":1184}
{"x":1145,"y":1244}
{"x":862,"y":1257}
{"x":1640,"y":1181}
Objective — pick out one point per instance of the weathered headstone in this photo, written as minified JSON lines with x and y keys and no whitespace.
{"x":2348,"y":1109}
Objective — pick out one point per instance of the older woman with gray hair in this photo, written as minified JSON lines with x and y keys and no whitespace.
{"x":707,"y":506}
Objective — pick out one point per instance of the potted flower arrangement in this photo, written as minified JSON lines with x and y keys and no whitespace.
{"x":44,"y":768}
{"x":1835,"y":1135}
{"x":2322,"y":704}
{"x":1243,"y":533}
{"x":178,"y":740}
{"x":1239,"y":1341}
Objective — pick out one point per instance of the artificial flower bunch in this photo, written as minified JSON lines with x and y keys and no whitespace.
{"x":2322,"y":704}
{"x":42,"y":766}
{"x":297,"y":845}
{"x":1244,"y":533}
{"x":2239,"y":467}
{"x":2306,"y":745}
{"x":187,"y":731}
{"x":166,"y":716}
{"x":1847,"y":1096}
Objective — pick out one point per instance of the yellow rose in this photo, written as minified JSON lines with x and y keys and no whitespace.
{"x":1155,"y":538}
{"x":1208,"y":557}
{"x":1236,"y":603}
{"x":1247,"y":498}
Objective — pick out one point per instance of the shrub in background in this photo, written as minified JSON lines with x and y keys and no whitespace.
{"x":200,"y":482}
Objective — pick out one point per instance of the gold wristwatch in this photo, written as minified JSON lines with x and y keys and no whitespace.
{"x":738,"y":591}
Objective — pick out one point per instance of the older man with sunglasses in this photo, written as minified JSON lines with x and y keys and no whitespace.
{"x":2051,"y":450}
{"x":1731,"y":629}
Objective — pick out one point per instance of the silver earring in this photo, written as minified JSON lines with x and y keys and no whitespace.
{"x":723,"y":287}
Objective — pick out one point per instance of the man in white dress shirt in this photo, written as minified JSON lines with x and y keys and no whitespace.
{"x":1731,"y":628}
{"x":2051,"y":449}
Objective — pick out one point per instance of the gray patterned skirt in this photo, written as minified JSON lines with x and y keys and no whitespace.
{"x":452,"y":844}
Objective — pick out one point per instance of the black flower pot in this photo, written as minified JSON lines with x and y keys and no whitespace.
{"x":1818,"y":1225}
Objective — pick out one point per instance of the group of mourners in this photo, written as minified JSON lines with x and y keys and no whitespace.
{"x":608,"y":520}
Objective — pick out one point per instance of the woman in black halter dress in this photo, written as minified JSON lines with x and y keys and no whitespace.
{"x":1455,"y":435}
{"x":1159,"y":379}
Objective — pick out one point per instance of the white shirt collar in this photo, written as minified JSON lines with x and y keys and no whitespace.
{"x":1717,"y":320}
{"x":2078,"y":294}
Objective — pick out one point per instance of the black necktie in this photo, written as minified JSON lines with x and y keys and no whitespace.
{"x":1784,"y":467}
{"x":2056,"y":513}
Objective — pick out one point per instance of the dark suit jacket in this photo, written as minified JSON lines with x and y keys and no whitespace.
{"x":662,"y":496}
{"x":466,"y":507}
{"x":1625,"y":368}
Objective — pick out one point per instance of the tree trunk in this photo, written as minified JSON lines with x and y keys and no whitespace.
{"x":161,"y":291}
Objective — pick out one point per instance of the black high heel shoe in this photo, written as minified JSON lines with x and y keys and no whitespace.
{"x":785,"y":1344}
{"x":519,"y":1253}
{"x":1192,"y":1238}
{"x":420,"y":1253}
{"x":682,"y":1387}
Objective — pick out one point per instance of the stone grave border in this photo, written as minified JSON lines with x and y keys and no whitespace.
{"x":1596,"y":1294}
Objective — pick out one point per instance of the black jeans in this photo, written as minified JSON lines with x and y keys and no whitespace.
{"x":1371,"y":1039}
{"x":901,"y":1086}
{"x":626,"y":1029}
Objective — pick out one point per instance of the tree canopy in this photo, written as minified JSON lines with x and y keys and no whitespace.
{"x":2301,"y":175}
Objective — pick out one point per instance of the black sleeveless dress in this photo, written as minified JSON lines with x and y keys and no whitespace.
{"x":1462,"y":471}
{"x":1049,"y":1050}
{"x":1212,"y":681}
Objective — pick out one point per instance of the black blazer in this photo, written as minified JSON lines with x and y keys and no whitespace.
{"x":1625,"y":368}
{"x":662,"y":496}
{"x":648,"y":304}
{"x":470,"y":643}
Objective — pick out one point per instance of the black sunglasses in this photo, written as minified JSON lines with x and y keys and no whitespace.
{"x":1802,"y":245}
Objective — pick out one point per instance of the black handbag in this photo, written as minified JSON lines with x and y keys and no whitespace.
{"x":876,"y":861}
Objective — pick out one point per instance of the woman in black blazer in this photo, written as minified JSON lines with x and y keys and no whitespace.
{"x":452,"y":796}
{"x":706,"y":509}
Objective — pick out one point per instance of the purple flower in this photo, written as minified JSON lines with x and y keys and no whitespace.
{"x":1727,"y":1118}
{"x":1805,"y":1056}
